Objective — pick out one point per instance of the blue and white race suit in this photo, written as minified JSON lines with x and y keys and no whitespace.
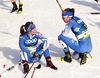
{"x":79,"y":28}
{"x":28,"y":44}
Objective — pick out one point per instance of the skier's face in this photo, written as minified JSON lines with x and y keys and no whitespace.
{"x":66,"y":19}
{"x":33,"y":32}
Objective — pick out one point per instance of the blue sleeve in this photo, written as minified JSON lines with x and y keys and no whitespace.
{"x":22,"y":45}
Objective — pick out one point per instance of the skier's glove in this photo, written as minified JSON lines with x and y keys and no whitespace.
{"x":37,"y":54}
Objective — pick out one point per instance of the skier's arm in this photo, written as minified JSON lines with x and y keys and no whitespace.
{"x":66,"y":30}
{"x":44,"y":39}
{"x":22,"y":45}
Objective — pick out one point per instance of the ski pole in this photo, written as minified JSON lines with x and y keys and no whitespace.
{"x":95,"y":13}
{"x":29,"y":69}
{"x":34,"y":61}
{"x":91,"y":56}
{"x":92,"y":13}
{"x":59,"y":5}
{"x":38,"y":67}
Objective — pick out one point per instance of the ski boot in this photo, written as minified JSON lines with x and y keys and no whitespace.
{"x":83,"y":57}
{"x":96,"y":1}
{"x":67,"y":58}
{"x":26,"y":66}
{"x":20,"y":9}
{"x":50,"y":64}
{"x":14,"y":7}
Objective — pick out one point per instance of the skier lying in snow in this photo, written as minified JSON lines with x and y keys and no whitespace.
{"x":15,"y":6}
{"x":79,"y":28}
{"x":30,"y":50}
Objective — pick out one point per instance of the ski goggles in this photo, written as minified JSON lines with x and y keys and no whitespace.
{"x":67,"y":14}
{"x":31,"y":27}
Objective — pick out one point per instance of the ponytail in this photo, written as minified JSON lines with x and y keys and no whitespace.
{"x":22,"y":30}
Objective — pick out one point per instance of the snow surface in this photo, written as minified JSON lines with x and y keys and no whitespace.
{"x":46,"y":15}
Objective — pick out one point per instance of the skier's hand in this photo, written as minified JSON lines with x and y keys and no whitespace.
{"x":43,"y":49}
{"x":37,"y":54}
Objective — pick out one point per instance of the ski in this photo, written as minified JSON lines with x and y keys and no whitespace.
{"x":88,"y":57}
{"x":61,"y":59}
{"x":4,"y":65}
{"x":8,"y":69}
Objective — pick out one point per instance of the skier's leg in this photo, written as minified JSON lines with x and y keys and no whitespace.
{"x":47,"y":57}
{"x":24,"y":59}
{"x":20,"y":6}
{"x":14,"y":6}
{"x":68,"y":57}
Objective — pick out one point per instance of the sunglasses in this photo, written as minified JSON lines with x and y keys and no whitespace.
{"x":63,"y":17}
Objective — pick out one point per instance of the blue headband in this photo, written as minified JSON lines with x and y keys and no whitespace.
{"x":66,"y":13}
{"x":30,"y":28}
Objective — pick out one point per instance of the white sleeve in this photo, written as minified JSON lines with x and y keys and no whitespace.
{"x":46,"y":42}
{"x":44,"y":39}
{"x":65,"y":31}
